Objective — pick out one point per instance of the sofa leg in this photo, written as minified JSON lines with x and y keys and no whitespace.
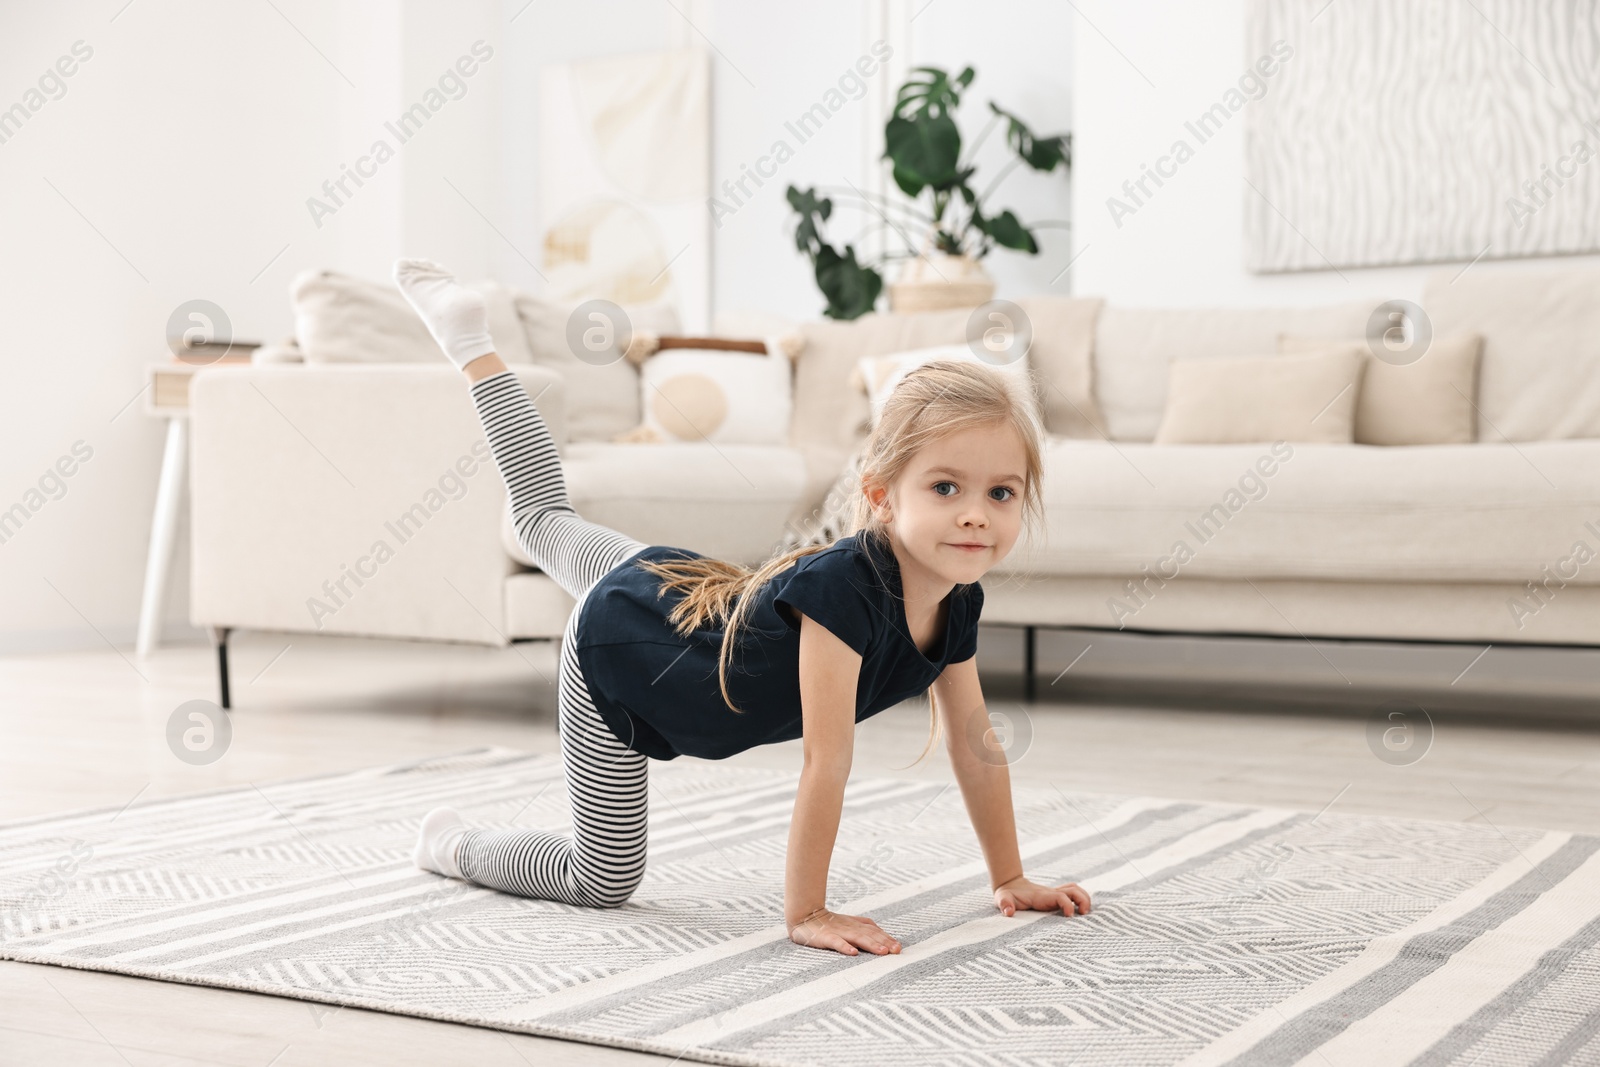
{"x":1028,"y":646}
{"x":219,"y":637}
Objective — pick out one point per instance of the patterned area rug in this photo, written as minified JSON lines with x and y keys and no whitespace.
{"x":1221,"y":934}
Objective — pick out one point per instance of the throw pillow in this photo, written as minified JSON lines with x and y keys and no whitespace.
{"x":1309,"y":397}
{"x":339,"y":318}
{"x":725,"y":397}
{"x":878,"y":375}
{"x":602,"y":388}
{"x":1061,"y":359}
{"x":1427,"y":402}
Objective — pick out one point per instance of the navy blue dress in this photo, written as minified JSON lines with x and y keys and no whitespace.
{"x":658,"y":691}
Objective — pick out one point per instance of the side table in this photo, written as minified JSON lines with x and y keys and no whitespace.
{"x":167,"y":397}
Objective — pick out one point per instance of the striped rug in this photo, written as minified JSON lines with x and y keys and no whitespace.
{"x":1221,"y":934}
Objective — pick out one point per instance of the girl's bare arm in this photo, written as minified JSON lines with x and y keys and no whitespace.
{"x":980,"y":767}
{"x":981,"y":770}
{"x":828,"y":672}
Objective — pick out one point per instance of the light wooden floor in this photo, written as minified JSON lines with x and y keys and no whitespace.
{"x":1228,"y":721}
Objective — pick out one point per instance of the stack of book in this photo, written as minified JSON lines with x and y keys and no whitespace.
{"x":169,"y":382}
{"x":206,"y":353}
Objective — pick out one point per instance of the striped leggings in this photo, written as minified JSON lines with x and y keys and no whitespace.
{"x":602,"y":863}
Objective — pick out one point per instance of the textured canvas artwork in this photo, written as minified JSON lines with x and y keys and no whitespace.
{"x":624,"y":167}
{"x":1416,"y":131}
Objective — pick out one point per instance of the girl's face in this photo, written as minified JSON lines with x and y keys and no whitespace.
{"x":956,"y":509}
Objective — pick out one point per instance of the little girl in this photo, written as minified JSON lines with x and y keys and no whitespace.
{"x":670,"y":653}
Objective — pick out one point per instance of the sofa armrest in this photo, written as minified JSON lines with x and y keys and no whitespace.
{"x":350,"y":499}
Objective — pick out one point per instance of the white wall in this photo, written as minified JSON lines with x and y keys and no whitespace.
{"x":174,"y":167}
{"x":1143,"y":70}
{"x":755,"y":263}
{"x":184,"y":151}
{"x":1022,"y":52}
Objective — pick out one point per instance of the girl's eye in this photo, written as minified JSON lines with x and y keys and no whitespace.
{"x":1006,"y":489}
{"x":938,"y":486}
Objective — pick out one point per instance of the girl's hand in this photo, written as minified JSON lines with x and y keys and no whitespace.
{"x":842,"y":933}
{"x":1021,"y":894}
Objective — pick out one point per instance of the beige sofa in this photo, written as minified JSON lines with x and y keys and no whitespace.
{"x":300,"y":472}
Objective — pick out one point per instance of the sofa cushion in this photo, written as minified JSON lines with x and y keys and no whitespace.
{"x":339,"y":318}
{"x":602,"y":391}
{"x":1444,"y":513}
{"x":1425,"y":402}
{"x":1062,"y":355}
{"x":1309,"y":396}
{"x":1134,"y":345}
{"x":1540,"y":374}
{"x":727,"y":501}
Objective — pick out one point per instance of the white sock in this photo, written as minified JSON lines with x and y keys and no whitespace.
{"x":442,"y":831}
{"x":457,"y":317}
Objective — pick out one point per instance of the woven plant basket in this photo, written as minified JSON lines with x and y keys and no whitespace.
{"x":937,"y":281}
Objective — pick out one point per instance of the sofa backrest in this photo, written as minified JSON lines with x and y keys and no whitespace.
{"x":1133,"y":347}
{"x":1540,"y":373}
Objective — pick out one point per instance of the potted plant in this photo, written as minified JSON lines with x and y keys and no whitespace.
{"x":956,"y":229}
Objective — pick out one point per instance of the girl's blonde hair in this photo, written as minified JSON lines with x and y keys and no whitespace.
{"x":931,"y":402}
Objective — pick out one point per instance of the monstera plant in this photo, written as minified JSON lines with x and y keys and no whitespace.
{"x":924,"y":145}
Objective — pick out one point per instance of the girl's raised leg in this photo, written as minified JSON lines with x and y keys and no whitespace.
{"x":574,"y":552}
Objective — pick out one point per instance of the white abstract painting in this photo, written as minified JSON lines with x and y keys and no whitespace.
{"x":624,"y":170}
{"x":1417,"y":131}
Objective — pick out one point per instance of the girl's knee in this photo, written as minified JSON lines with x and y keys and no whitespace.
{"x":533,"y":524}
{"x":612,"y":894}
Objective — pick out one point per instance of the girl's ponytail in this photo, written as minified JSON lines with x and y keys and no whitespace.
{"x":715,"y":590}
